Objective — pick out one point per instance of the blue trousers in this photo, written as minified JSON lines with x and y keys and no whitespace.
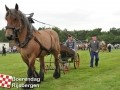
{"x":94,"y":54}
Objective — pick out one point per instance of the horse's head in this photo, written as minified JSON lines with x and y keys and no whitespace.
{"x":15,"y":22}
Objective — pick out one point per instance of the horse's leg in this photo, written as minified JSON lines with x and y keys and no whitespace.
{"x":31,"y":69}
{"x":28,"y":72}
{"x":25,"y":60}
{"x":57,"y":69}
{"x":42,"y":68}
{"x":32,"y":73}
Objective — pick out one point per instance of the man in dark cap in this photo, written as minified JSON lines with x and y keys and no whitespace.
{"x":94,"y":47}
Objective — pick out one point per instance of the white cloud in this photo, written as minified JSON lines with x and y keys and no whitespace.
{"x":70,"y":14}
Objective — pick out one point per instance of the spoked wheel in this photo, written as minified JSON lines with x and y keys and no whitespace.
{"x":76,"y":61}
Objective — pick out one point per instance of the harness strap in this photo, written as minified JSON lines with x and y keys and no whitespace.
{"x":22,"y":45}
{"x":27,"y":39}
{"x":41,"y":47}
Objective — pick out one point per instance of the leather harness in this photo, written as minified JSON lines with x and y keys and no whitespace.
{"x":29,"y":36}
{"x":42,"y":47}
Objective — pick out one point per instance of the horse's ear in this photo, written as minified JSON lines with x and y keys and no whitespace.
{"x":16,"y":7}
{"x":6,"y":8}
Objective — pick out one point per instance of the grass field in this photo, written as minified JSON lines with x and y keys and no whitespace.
{"x":104,"y":77}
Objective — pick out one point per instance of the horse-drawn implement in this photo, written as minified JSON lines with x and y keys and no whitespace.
{"x":67,"y":58}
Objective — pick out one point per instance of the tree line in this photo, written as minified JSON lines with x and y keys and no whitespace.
{"x":111,"y":36}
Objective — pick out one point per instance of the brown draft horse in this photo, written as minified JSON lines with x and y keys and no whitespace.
{"x":31,"y":43}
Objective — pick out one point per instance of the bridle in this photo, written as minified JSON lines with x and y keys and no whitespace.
{"x":17,"y":31}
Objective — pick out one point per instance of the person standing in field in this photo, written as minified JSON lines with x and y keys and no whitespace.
{"x":3,"y":50}
{"x":94,"y":47}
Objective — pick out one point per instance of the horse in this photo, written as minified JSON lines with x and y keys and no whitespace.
{"x":32,"y":44}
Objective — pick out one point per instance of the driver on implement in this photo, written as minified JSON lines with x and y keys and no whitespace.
{"x":70,"y":43}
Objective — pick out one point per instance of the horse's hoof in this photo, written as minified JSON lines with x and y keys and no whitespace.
{"x":41,"y":75}
{"x":56,"y":75}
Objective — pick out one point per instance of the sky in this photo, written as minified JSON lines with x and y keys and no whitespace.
{"x":69,"y":14}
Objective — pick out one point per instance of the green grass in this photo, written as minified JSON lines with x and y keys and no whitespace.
{"x":104,"y":77}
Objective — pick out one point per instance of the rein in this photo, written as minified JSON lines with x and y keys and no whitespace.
{"x":42,"y":22}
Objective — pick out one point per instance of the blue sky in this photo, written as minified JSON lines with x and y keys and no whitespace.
{"x":70,"y":14}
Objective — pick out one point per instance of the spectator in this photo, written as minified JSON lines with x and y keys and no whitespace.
{"x":94,"y":50}
{"x":3,"y":50}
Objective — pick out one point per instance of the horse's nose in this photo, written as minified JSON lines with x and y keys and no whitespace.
{"x":9,"y":37}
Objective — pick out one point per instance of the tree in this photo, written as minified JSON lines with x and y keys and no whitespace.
{"x":2,"y":36}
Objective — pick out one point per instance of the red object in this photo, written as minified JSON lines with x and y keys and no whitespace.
{"x":5,"y":80}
